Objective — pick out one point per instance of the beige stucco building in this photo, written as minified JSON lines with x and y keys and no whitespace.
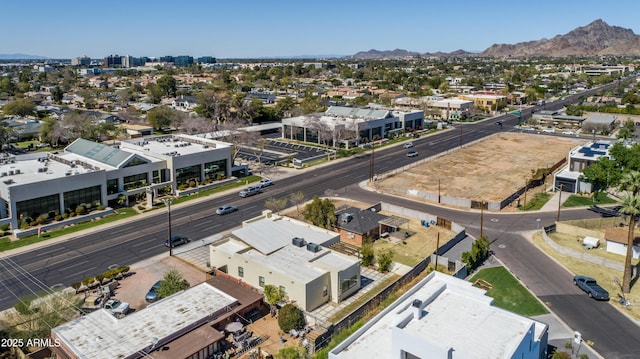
{"x":291,"y":255}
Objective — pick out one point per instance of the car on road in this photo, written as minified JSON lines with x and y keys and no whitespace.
{"x":116,"y":307}
{"x":265,"y":182}
{"x":226,"y":209}
{"x":176,"y":241}
{"x":412,"y":154}
{"x":408,"y":145}
{"x":568,"y":133}
{"x":591,"y":287}
{"x":249,"y":191}
{"x":152,"y":294}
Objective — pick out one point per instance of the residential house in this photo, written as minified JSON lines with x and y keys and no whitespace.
{"x":616,"y":241}
{"x":355,"y":224}
{"x":185,"y":103}
{"x":579,"y":158}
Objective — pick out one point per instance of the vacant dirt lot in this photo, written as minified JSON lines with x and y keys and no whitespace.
{"x":489,"y":170}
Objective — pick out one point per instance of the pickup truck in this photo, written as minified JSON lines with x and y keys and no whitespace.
{"x":117,"y":308}
{"x":592,"y":288}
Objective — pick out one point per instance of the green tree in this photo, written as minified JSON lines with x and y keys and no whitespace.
{"x":172,"y":282}
{"x":20,"y":107}
{"x":290,"y":317}
{"x":321,"y":212}
{"x":291,"y":352}
{"x":479,"y":252}
{"x":385,"y":258}
{"x":161,"y":117}
{"x":155,"y":93}
{"x":57,"y":94}
{"x":274,"y":294}
{"x":628,"y":130}
{"x":168,"y":85}
{"x":367,"y":256}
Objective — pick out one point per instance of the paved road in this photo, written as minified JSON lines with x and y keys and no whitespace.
{"x":133,"y":241}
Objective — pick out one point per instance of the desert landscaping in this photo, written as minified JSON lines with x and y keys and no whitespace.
{"x":488,"y":170}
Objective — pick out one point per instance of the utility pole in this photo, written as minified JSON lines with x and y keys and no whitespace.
{"x":438,"y":190}
{"x":371,"y":162}
{"x":437,"y":246}
{"x":526,"y":184}
{"x":559,"y":203}
{"x":167,"y":202}
{"x":481,"y":216}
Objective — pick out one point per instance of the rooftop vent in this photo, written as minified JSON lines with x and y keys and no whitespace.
{"x":313,"y":247}
{"x":298,"y":242}
{"x":17,"y":171}
{"x":346,"y":217}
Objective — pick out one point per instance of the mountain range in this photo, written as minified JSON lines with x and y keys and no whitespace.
{"x":21,"y":57}
{"x":597,"y":38}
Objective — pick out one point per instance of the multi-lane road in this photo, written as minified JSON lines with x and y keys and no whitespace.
{"x":614,"y":335}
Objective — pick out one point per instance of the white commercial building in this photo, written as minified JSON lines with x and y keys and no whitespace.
{"x":291,"y":255}
{"x":91,"y":174}
{"x":445,"y":317}
{"x":342,"y":124}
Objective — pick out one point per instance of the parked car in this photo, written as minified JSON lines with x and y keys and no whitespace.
{"x":176,"y":241}
{"x":226,"y":209}
{"x":408,"y":145}
{"x":412,"y":154}
{"x":249,"y":191}
{"x":568,"y":133}
{"x":265,"y":182}
{"x":152,"y":294}
{"x":592,"y":288}
{"x":116,"y":307}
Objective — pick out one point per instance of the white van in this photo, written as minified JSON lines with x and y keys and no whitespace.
{"x":249,"y":191}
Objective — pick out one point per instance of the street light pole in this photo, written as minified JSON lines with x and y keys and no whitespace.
{"x":481,"y":216}
{"x":167,"y":202}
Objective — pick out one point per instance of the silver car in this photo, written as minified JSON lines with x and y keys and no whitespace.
{"x":226,"y":209}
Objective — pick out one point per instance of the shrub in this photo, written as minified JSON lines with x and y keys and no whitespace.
{"x":88,"y":281}
{"x":80,"y":209}
{"x":65,"y":215}
{"x":182,"y":187}
{"x":76,"y":285}
{"x":192,"y":183}
{"x":290,"y":317}
{"x":58,"y":218}
{"x":4,"y":227}
{"x":100,"y":208}
{"x":141,"y":207}
{"x":366,"y":253}
{"x":42,"y":219}
{"x":123,"y":269}
{"x":384,"y":260}
{"x":100,"y":277}
{"x":72,"y":214}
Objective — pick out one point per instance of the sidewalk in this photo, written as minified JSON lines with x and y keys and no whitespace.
{"x":552,"y":203}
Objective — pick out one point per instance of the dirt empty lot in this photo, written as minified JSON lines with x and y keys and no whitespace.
{"x":488,"y":170}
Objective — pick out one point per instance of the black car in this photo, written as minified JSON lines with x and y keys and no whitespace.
{"x":176,"y":241}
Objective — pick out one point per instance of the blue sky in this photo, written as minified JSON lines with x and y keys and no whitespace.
{"x":251,"y":28}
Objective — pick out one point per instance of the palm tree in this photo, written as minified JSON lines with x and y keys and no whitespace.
{"x":630,"y":207}
{"x":630,"y":182}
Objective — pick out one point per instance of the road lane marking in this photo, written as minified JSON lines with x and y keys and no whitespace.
{"x":73,"y":265}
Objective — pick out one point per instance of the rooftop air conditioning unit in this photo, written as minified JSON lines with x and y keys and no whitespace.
{"x":17,"y":171}
{"x":3,"y":174}
{"x":10,"y":172}
{"x":205,"y":146}
{"x":313,"y":247}
{"x":298,"y":242}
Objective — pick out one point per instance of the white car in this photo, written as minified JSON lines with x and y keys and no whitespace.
{"x":408,"y":145}
{"x":265,"y":182}
{"x":117,"y":308}
{"x":568,"y":133}
{"x":226,"y":209}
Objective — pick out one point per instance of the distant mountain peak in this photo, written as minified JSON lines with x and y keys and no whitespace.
{"x":596,"y":38}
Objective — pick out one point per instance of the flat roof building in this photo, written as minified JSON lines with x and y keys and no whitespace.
{"x":443,"y":315}
{"x":188,"y":324}
{"x":291,"y":255}
{"x":91,"y":173}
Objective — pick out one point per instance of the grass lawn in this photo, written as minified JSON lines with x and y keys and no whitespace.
{"x":539,"y":200}
{"x":6,"y":243}
{"x":598,"y":198}
{"x":508,"y":293}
